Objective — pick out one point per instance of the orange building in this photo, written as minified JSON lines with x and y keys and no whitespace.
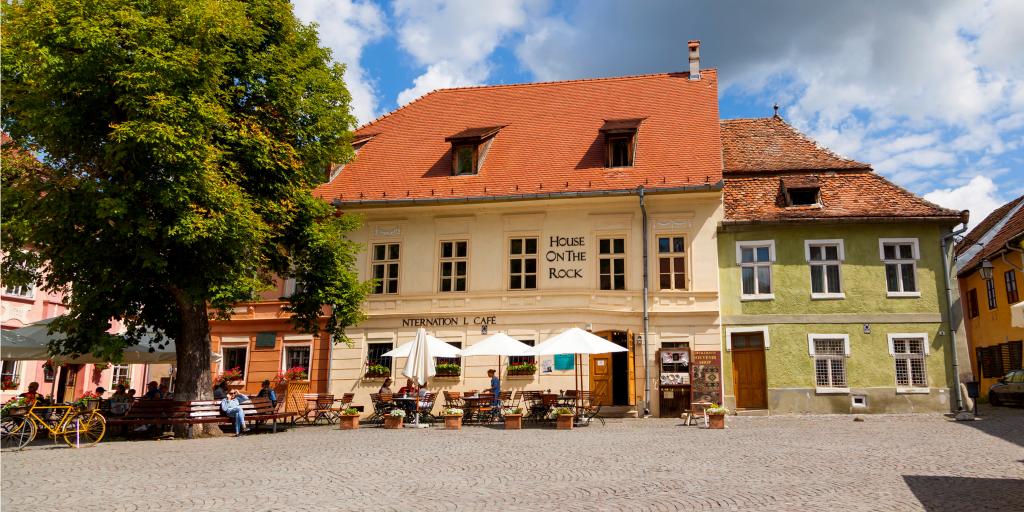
{"x":991,"y":272}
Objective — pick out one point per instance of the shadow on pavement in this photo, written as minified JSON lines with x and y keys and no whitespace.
{"x":1003,"y":422}
{"x":942,"y":493}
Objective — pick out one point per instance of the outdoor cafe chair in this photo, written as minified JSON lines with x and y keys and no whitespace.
{"x":589,"y":410}
{"x":382,"y":405}
{"x":426,"y":407}
{"x":324,"y":409}
{"x":453,"y":400}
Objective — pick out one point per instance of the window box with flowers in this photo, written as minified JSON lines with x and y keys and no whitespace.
{"x":89,"y":401}
{"x":10,"y":383}
{"x":17,"y":406}
{"x":448,"y":370}
{"x":230,"y":376}
{"x":522,"y":370}
{"x":376,"y":371}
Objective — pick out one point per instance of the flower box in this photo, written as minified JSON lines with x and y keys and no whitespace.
{"x":513,"y":422}
{"x":376,"y":376}
{"x":716,"y":421}
{"x":393,"y":422}
{"x":10,"y":384}
{"x":348,"y":422}
{"x":16,"y":411}
{"x":453,"y":422}
{"x":564,"y":421}
{"x":522,"y":370}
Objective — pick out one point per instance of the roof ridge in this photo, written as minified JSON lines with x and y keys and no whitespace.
{"x":804,"y":136}
{"x":529,"y":84}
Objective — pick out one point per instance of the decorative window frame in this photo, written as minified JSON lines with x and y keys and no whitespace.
{"x":372,"y":262}
{"x":439,"y":259}
{"x":915,"y":251}
{"x":763,"y":329}
{"x":846,"y":353}
{"x":842,"y":259}
{"x":507,"y":257}
{"x":743,"y":244}
{"x":30,"y":295}
{"x":378,"y":339}
{"x":293,"y":341}
{"x":236,"y":342}
{"x":687,"y":263}
{"x":113,"y":375}
{"x":597,"y":237}
{"x":910,"y":390}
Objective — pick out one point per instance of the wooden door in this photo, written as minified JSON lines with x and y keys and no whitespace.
{"x":601,"y":378}
{"x":748,"y":371}
{"x":631,"y":345}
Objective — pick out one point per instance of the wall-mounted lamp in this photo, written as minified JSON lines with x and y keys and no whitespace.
{"x":986,"y":269}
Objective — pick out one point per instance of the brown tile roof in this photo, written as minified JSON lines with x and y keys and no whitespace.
{"x":1011,"y":231}
{"x":862,"y":194}
{"x":550,"y":140}
{"x":974,"y":235}
{"x":770,"y":144}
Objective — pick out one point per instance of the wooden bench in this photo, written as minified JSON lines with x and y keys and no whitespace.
{"x":152,"y":412}
{"x":257,"y":409}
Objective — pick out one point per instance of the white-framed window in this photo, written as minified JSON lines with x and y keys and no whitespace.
{"x":235,"y":356}
{"x":825,"y":259}
{"x":385,"y":258}
{"x":611,"y":263}
{"x":375,"y":353}
{"x":900,"y":257}
{"x":755,"y":259}
{"x":296,"y":355}
{"x":291,"y":286}
{"x":24,"y":291}
{"x":671,"y":262}
{"x":522,"y":263}
{"x":909,"y":351}
{"x":451,"y":360}
{"x":454,"y":265}
{"x":829,"y":352}
{"x":121,"y":374}
{"x":10,"y":372}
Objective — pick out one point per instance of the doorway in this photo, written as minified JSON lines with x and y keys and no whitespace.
{"x":748,"y":370}
{"x":611,"y":375}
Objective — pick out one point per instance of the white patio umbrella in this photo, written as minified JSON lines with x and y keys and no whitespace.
{"x":438,"y":348}
{"x":576,"y":341}
{"x":420,"y":363}
{"x":499,"y":345}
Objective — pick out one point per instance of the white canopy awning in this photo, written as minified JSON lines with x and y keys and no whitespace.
{"x":576,"y":341}
{"x":499,"y":344}
{"x":438,"y":348}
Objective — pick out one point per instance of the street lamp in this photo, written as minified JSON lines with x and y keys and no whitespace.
{"x":986,"y":269}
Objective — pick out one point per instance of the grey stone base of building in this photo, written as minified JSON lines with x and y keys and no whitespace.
{"x":869,"y":401}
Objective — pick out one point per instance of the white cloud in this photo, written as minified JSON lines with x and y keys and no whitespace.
{"x":346,"y":27}
{"x":453,"y":40}
{"x":979,"y":196}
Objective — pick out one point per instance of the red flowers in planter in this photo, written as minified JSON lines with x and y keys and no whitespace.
{"x":293,"y":373}
{"x":229,"y":375}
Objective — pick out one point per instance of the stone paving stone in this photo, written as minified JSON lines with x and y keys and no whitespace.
{"x":776,"y":463}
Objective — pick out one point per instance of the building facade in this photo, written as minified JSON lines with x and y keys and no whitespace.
{"x":518,"y":209}
{"x":990,"y":270}
{"x":831,"y":281}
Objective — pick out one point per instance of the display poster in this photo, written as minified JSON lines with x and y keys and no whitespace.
{"x":675,"y":356}
{"x":547,"y":365}
{"x":565,"y":361}
{"x":706,"y":377}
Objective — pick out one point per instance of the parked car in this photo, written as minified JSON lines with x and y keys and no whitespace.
{"x":1009,"y":389}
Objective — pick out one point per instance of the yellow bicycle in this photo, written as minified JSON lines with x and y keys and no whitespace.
{"x":79,"y":427}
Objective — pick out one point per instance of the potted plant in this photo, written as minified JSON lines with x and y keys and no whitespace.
{"x":229,"y":375}
{"x":521,"y":369}
{"x":376,"y":370}
{"x":563,"y":417}
{"x":349,"y":419}
{"x":448,"y":370}
{"x":17,"y":406}
{"x":394,"y":419}
{"x":514,"y":418}
{"x":716,"y":416}
{"x":89,"y":400}
{"x":10,"y":383}
{"x":452,"y":418}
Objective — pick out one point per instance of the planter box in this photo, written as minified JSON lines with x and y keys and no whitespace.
{"x":522,"y":374}
{"x":393,"y":422}
{"x":448,"y":375}
{"x":716,"y":421}
{"x":564,"y":422}
{"x":92,"y":405}
{"x":513,"y":422}
{"x":348,"y":422}
{"x":16,"y":411}
{"x":453,"y":422}
{"x":376,"y":376}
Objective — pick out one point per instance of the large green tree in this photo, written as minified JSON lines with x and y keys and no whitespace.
{"x":179,"y":141}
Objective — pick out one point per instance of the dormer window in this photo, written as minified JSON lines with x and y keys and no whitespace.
{"x":802,"y":191}
{"x":620,"y":141}
{"x":469,"y":148}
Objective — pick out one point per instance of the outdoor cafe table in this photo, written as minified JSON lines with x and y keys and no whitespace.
{"x":472,"y":404}
{"x":321,"y":408}
{"x":407,"y":403}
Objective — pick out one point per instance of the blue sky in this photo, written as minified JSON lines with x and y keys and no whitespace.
{"x":930,"y":92}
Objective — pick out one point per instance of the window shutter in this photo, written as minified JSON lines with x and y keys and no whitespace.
{"x":810,"y":345}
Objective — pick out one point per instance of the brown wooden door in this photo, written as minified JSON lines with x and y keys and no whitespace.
{"x":601,"y":378}
{"x":631,"y":345}
{"x":748,"y":371}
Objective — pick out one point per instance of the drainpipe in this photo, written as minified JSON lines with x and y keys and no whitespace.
{"x":647,"y":380}
{"x":945,"y":244}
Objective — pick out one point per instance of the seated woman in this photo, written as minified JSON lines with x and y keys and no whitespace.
{"x":385,"y":389}
{"x":120,"y":402}
{"x":408,"y":389}
{"x":231,"y":405}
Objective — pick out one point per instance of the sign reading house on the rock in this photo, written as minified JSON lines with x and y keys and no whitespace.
{"x":449,"y":321}
{"x":563,"y":250}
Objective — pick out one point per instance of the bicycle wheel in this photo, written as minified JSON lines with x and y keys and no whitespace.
{"x":16,"y":432}
{"x":85,"y":429}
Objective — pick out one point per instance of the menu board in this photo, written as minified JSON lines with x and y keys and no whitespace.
{"x":706,"y":377}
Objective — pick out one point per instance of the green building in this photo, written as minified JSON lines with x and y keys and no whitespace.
{"x":830,"y":280}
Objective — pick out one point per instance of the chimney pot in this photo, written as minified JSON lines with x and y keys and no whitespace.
{"x":694,"y":47}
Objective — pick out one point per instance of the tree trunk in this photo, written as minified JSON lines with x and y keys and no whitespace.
{"x":192,"y":374}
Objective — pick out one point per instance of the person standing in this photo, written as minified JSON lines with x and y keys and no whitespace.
{"x":231,"y":405}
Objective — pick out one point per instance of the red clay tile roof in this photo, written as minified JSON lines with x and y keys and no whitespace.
{"x":861,"y":194}
{"x":550,"y":142}
{"x":770,"y":144}
{"x":974,"y":235}
{"x":1011,"y":231}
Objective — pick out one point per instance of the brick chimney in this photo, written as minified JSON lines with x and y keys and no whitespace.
{"x":694,"y":46}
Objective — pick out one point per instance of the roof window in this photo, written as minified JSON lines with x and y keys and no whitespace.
{"x":469,"y":147}
{"x":802,"y":190}
{"x":620,"y":141}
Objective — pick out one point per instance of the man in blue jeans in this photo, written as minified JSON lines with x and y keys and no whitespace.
{"x":231,"y":407}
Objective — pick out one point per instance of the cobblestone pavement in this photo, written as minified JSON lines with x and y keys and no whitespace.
{"x":899,"y":462}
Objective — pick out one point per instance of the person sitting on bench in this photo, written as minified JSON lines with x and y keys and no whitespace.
{"x":268,"y":392}
{"x":232,"y":408}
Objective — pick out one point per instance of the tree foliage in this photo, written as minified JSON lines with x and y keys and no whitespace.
{"x":180,"y":142}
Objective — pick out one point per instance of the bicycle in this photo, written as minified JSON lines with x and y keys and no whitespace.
{"x":16,"y":429}
{"x":79,"y":427}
